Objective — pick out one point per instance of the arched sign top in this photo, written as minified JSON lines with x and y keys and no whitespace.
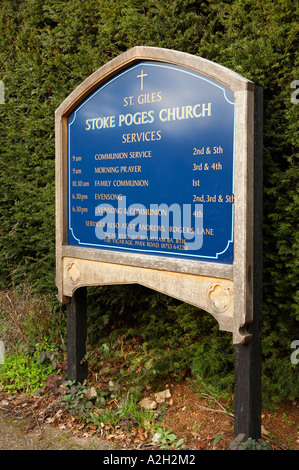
{"x":154,"y":157}
{"x":211,"y":69}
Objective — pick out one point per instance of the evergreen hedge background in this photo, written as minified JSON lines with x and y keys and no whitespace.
{"x":48,"y":48}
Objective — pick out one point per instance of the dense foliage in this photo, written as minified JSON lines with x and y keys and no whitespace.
{"x":46,"y":50}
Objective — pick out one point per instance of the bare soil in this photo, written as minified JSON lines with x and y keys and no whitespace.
{"x":201,"y":421}
{"x":205,"y":426}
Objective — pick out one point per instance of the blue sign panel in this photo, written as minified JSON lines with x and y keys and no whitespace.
{"x":151,"y":164}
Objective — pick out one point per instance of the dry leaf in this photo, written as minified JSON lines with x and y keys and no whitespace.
{"x":148,"y":404}
{"x":92,"y":426}
{"x":90,"y":393}
{"x":161,"y":396}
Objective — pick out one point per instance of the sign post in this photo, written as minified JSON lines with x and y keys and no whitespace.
{"x":155,"y":184}
{"x":248,"y":357}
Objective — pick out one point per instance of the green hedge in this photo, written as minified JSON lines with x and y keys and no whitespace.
{"x":48,"y":48}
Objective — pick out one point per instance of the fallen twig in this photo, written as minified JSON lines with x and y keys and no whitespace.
{"x":231,"y":415}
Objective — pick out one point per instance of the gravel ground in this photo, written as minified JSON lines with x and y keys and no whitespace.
{"x":13,"y":437}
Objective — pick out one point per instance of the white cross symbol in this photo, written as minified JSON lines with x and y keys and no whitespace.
{"x":141,"y":76}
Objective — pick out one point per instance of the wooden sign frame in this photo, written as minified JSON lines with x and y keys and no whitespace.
{"x":231,"y":293}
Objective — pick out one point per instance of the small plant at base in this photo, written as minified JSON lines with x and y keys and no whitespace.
{"x":250,"y":444}
{"x":127,"y":415}
{"x":217,"y":438}
{"x":167,"y":438}
{"x":196,"y":426}
{"x":73,"y":398}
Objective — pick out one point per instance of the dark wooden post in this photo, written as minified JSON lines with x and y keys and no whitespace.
{"x":76,"y":336}
{"x":248,"y":357}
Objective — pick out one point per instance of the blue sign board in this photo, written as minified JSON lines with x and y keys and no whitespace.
{"x":151,"y":165}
